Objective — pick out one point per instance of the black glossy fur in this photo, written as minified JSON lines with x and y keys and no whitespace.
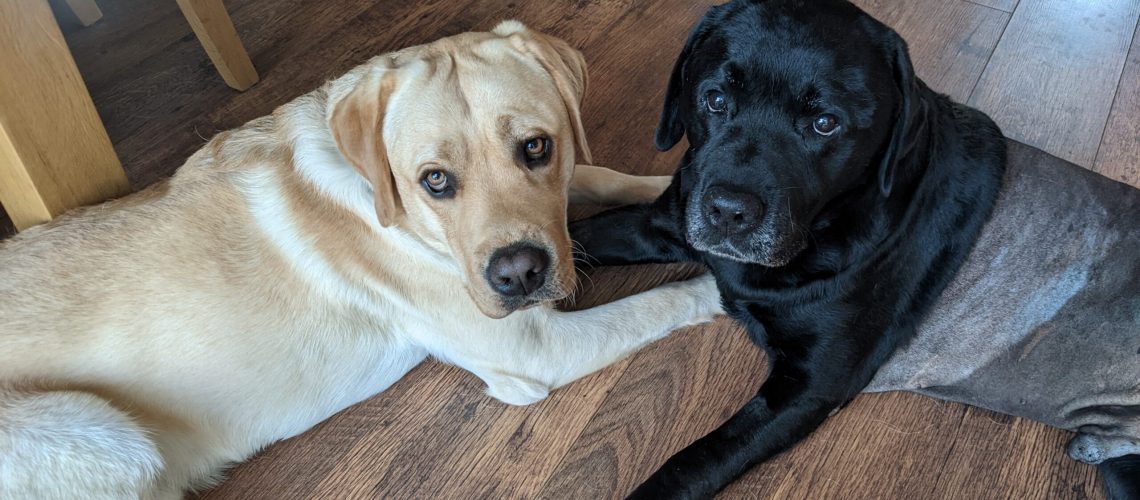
{"x":860,"y":231}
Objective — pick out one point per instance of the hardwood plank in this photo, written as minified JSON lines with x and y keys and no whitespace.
{"x":1002,"y":5}
{"x":1022,"y":459}
{"x":880,"y":446}
{"x":54,"y":152}
{"x":902,"y":445}
{"x":671,"y":394}
{"x":1051,"y":79}
{"x":950,"y":42}
{"x":130,"y":32}
{"x":1119,"y":153}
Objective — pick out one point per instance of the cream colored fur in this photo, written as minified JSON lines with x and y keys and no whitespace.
{"x":147,"y":343}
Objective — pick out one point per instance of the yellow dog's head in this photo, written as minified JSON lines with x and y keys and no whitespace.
{"x":469,"y":143}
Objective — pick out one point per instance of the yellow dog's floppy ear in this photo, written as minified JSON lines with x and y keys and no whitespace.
{"x":565,"y":64}
{"x":357,"y":124}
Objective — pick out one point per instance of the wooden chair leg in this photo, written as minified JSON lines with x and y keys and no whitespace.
{"x":216,"y":32}
{"x":54,"y":152}
{"x":85,"y":10}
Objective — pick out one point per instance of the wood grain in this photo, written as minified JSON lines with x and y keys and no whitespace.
{"x":1027,"y":450}
{"x":1058,"y":99}
{"x":54,"y":152}
{"x":215,"y":30}
{"x":950,"y":42}
{"x":850,"y":453}
{"x":901,"y":445}
{"x":1119,"y":153}
{"x":669,"y":396}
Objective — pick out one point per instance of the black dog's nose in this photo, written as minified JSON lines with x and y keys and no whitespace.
{"x":518,"y":270}
{"x":732,"y":212}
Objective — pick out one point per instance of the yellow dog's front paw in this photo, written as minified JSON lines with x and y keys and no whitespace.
{"x":515,"y":390}
{"x":706,"y":299}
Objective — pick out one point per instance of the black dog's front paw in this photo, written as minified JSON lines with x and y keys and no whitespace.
{"x":594,"y":241}
{"x":650,"y":490}
{"x":665,"y":486}
{"x":581,"y":236}
{"x":625,"y":235}
{"x":580,"y":231}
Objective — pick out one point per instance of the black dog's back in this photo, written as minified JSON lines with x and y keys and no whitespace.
{"x":1043,"y":320}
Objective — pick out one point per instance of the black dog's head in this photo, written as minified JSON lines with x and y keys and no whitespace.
{"x":788,"y":104}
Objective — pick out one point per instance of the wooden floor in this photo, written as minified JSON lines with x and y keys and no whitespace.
{"x":1062,"y":75}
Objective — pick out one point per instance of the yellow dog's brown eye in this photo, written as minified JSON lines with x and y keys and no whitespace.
{"x":536,"y":150}
{"x":437,"y":183}
{"x":825,"y":124}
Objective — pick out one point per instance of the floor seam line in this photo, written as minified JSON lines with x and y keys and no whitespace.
{"x":1115,"y":96}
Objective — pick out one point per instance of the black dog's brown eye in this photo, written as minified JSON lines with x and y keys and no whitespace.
{"x":716,"y":101}
{"x":437,"y":183}
{"x":825,"y":124}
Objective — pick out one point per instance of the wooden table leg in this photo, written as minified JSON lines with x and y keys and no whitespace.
{"x":85,"y":10}
{"x":54,"y":152}
{"x":216,"y":32}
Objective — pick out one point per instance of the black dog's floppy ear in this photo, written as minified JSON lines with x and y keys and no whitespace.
{"x":907,"y":110}
{"x":671,"y":128}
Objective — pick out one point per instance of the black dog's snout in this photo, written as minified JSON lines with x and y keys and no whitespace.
{"x":518,"y":270}
{"x":732,"y":212}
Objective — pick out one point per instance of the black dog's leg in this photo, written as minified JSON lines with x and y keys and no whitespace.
{"x":635,"y":234}
{"x":790,"y":405}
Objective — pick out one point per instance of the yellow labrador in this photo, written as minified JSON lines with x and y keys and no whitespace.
{"x":292,"y":267}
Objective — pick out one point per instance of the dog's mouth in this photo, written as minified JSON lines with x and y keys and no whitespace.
{"x":763,"y":250}
{"x":773,"y":241}
{"x":496,"y":306}
{"x":767,"y":258}
{"x":523,"y":275}
{"x":546,"y":295}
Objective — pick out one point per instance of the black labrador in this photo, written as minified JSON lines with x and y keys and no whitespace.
{"x":871,"y":234}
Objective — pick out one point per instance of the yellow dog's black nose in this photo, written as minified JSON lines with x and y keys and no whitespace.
{"x":518,"y":270}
